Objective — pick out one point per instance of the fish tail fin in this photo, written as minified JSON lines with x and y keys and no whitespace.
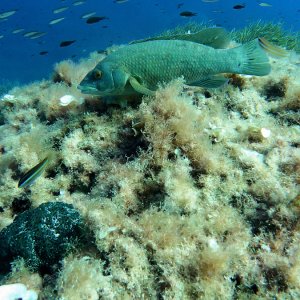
{"x":254,"y":60}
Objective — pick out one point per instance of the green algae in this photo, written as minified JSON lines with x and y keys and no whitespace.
{"x":273,"y":32}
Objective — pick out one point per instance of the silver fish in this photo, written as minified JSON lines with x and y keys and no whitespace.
{"x":55,"y":21}
{"x":7,"y":14}
{"x":59,"y":10}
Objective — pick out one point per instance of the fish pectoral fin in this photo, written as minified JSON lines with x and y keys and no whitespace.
{"x":214,"y":81}
{"x":140,"y":88}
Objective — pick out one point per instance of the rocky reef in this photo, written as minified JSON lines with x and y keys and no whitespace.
{"x":191,"y":194}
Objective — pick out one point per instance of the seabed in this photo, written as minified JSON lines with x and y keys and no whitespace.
{"x":185,"y":195}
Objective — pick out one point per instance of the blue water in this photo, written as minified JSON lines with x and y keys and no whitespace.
{"x":20,"y":58}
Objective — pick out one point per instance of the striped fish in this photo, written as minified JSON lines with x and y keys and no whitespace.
{"x":30,"y":177}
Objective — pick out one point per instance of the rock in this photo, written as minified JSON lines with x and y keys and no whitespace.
{"x":41,"y":236}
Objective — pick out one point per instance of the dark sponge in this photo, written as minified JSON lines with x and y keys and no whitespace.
{"x":41,"y":236}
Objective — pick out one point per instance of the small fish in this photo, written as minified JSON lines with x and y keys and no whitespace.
{"x":61,"y":9}
{"x":30,"y":33}
{"x":76,"y":3}
{"x":239,"y":6}
{"x":55,"y":21}
{"x":34,"y":34}
{"x":18,"y":30}
{"x":7,"y":14}
{"x":43,"y":52}
{"x":188,"y":14}
{"x":265,"y":4}
{"x":85,"y":16}
{"x":30,"y":177}
{"x":272,"y":49}
{"x":102,"y":51}
{"x":66,"y":43}
{"x":179,"y":5}
{"x":37,"y":35}
{"x":120,"y":1}
{"x":92,"y":20}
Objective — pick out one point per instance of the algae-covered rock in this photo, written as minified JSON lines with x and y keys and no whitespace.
{"x":41,"y":236}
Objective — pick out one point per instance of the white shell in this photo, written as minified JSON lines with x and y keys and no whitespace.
{"x":16,"y":291}
{"x":8,"y":97}
{"x":66,"y":100}
{"x":265,"y":132}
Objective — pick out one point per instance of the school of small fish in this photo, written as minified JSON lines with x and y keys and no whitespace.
{"x":92,"y":17}
{"x":89,"y":17}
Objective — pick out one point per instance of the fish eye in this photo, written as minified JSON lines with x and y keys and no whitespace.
{"x":97,"y":74}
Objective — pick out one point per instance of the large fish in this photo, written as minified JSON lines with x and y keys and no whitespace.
{"x":140,"y":67}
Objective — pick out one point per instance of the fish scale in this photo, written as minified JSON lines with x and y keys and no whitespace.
{"x":167,"y":60}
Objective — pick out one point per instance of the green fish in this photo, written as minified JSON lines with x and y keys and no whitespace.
{"x":30,"y":177}
{"x":141,"y":66}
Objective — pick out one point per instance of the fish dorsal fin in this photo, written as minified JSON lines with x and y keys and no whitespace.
{"x":215,"y":37}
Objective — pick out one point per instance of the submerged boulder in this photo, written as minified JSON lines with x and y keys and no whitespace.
{"x":41,"y":236}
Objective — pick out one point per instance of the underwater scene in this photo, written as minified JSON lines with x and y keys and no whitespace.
{"x":149,"y":150}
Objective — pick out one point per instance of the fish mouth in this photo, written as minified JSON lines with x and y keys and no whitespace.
{"x":89,"y":90}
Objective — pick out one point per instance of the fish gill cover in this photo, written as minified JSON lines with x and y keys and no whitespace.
{"x":186,"y":192}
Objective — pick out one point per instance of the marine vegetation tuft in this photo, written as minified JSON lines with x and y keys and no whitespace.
{"x":273,"y":32}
